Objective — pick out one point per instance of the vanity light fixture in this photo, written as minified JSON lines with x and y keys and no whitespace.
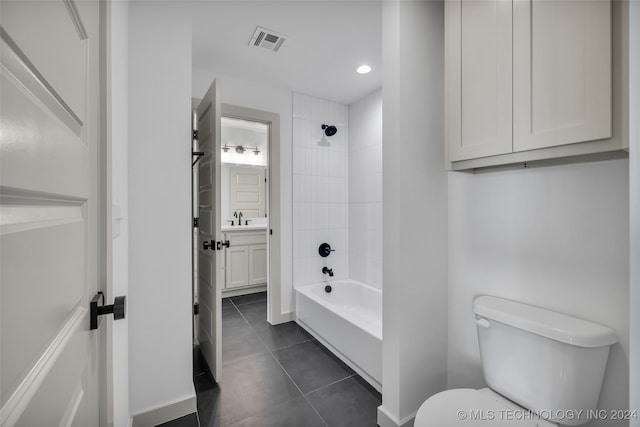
{"x":240,"y":149}
{"x":363,"y":69}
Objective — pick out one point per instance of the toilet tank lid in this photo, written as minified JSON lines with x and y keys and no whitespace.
{"x":543,"y":322}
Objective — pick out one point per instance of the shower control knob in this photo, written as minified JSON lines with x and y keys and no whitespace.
{"x":325,"y":250}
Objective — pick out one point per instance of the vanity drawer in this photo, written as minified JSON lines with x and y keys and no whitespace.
{"x":238,"y":238}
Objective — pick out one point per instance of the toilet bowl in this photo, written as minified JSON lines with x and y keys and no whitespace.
{"x":541,"y":368}
{"x":470,"y":407}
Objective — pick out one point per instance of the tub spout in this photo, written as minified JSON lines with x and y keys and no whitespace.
{"x":327,"y":270}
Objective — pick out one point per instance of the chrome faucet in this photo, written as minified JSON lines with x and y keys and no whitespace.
{"x":327,"y":270}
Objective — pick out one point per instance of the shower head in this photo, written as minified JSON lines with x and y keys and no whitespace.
{"x":329,"y":130}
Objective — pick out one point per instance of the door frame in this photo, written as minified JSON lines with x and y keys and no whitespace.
{"x":274,"y":236}
{"x":274,"y":241}
{"x":105,"y":216}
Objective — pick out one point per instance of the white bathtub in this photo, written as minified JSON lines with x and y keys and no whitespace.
{"x":348,"y":321}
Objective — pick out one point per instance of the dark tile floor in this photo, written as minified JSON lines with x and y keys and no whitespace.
{"x":276,"y":376}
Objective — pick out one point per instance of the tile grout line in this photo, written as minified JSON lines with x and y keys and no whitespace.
{"x":335,"y":382}
{"x":271,"y":353}
{"x":281,"y":367}
{"x":289,"y":376}
{"x":295,"y":384}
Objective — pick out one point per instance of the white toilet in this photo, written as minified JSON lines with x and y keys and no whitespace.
{"x":542,"y":368}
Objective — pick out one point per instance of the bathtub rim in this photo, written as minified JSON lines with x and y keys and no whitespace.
{"x":304,"y":290}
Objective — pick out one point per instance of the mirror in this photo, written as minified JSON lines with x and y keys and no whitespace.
{"x":244,"y":169}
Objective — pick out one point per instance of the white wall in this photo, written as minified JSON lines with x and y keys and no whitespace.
{"x":365,"y":190}
{"x":160,"y":301}
{"x":556,"y":237}
{"x":414,"y":186}
{"x":119,"y":182}
{"x":320,"y":189}
{"x":634,"y":191}
{"x":275,"y":100}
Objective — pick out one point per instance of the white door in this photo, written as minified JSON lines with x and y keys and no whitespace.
{"x":247,"y":191}
{"x":49,"y":143}
{"x":210,"y":259}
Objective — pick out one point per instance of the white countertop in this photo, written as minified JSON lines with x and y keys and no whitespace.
{"x":258,"y":227}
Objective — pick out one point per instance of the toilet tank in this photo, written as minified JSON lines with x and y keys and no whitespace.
{"x":547,"y":362}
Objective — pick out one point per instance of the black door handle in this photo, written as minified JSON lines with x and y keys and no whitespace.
{"x":222,"y":244}
{"x":117,"y":308}
{"x":209,"y":245}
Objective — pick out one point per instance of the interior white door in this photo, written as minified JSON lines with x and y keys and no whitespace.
{"x":49,"y":143}
{"x":247,"y":191}
{"x":210,"y":259}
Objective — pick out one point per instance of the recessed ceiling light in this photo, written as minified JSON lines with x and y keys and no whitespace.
{"x":363,"y":69}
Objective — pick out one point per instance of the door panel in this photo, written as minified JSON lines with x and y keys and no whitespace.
{"x":248,"y":191}
{"x":58,"y":52}
{"x":237,"y":266}
{"x":562,"y":72}
{"x":211,"y":272}
{"x":479,"y":65}
{"x":257,"y":264}
{"x":49,"y":141}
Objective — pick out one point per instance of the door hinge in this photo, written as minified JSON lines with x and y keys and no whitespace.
{"x":196,"y":308}
{"x":194,"y":134}
{"x":271,"y":231}
{"x":196,"y":222}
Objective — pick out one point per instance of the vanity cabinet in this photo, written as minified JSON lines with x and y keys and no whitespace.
{"x":246,"y":259}
{"x":530,"y":80}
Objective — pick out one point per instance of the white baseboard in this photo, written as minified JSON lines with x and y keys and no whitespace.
{"x":165,"y":413}
{"x":226,"y":293}
{"x":283,"y":318}
{"x":385,"y":419}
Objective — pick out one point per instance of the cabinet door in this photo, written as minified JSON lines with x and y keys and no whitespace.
{"x":561,"y":72}
{"x":478,"y":78}
{"x":237,"y":266}
{"x":257,"y":264}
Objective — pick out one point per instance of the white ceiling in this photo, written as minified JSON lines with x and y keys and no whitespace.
{"x":326,"y":41}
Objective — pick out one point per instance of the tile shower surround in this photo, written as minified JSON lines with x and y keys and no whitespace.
{"x":320,"y":189}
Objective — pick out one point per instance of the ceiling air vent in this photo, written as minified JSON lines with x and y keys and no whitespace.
{"x":267,"y":39}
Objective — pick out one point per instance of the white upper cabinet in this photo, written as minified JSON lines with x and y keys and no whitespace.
{"x":478,"y":78}
{"x":561,"y":72}
{"x":532,"y":80}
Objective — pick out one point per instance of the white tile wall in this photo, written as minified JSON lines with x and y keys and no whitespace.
{"x":365,"y":190}
{"x":320,"y":189}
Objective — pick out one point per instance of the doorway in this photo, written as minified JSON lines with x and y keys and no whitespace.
{"x":250,"y":207}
